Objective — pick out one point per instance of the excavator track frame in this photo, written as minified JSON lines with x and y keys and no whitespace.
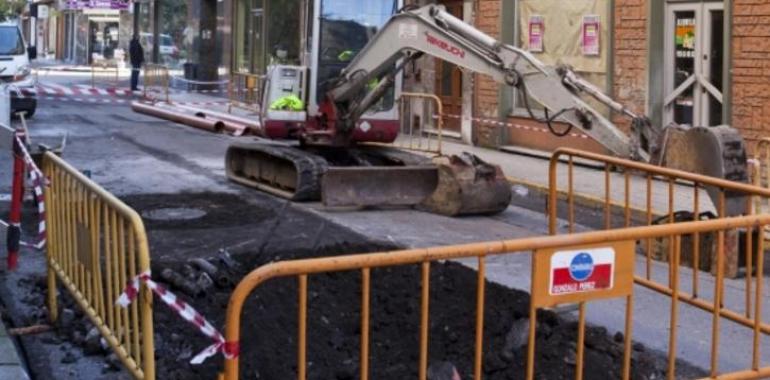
{"x":282,"y":170}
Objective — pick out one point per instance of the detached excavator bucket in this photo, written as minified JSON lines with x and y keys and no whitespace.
{"x":713,"y":151}
{"x":377,"y":186}
{"x":467,"y":185}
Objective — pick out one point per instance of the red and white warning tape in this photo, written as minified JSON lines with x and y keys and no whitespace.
{"x":5,"y":224}
{"x":184,"y":310}
{"x":498,"y":123}
{"x":38,"y":181}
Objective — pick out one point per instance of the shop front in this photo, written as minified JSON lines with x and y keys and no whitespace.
{"x":694,"y":63}
{"x":266,"y":31}
{"x":190,"y":37}
{"x":96,"y":31}
{"x":574,"y":33}
{"x":668,"y":59}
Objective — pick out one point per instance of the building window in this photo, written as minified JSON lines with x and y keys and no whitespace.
{"x":575,"y":33}
{"x":266,"y":31}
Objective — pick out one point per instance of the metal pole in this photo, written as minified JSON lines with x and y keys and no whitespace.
{"x":137,"y":14}
{"x":13,"y":238}
{"x":156,"y":31}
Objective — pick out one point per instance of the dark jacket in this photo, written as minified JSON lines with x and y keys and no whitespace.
{"x":136,"y":53}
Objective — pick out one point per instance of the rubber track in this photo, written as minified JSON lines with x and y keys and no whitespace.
{"x":309,"y":167}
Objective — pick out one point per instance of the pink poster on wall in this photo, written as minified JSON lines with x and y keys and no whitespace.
{"x":536,"y":31}
{"x":590,"y":35}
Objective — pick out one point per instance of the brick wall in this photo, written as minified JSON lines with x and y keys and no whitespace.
{"x":630,"y":76}
{"x":751,"y":68}
{"x":750,"y":60}
{"x":485,"y":90}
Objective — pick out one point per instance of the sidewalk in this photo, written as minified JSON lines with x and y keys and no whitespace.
{"x":10,"y":362}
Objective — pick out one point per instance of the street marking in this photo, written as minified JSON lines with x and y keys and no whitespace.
{"x":108,"y":101}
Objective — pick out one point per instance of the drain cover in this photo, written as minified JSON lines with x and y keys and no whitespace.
{"x":178,"y":213}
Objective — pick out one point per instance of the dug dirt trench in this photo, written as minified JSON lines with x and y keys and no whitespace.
{"x":235,"y":236}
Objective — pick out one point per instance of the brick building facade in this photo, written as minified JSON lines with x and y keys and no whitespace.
{"x":748,"y":46}
{"x":689,"y":62}
{"x":751,"y":68}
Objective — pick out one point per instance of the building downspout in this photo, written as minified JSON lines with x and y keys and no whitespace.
{"x":466,"y":122}
{"x":727,"y":80}
{"x":505,"y":93}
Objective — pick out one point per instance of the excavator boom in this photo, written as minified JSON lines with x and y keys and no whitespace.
{"x":432,"y":31}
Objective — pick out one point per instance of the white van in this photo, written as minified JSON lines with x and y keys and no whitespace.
{"x":15,"y":68}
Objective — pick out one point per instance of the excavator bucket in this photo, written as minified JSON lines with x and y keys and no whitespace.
{"x":713,"y":151}
{"x":467,"y":185}
{"x":453,"y":186}
{"x":378,"y":186}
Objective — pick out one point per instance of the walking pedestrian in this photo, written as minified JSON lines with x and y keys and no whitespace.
{"x":136,"y":54}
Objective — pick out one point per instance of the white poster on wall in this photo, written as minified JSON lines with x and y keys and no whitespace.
{"x":42,"y":11}
{"x":536,"y":32}
{"x":590,"y":33}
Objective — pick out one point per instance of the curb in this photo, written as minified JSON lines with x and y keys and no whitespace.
{"x":589,"y":209}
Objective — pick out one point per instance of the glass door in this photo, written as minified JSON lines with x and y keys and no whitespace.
{"x":249,"y":32}
{"x":694,"y":63}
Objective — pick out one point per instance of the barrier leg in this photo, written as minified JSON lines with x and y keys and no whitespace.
{"x":17,"y":194}
{"x":53,"y":308}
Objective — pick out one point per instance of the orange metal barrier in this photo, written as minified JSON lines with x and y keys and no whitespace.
{"x":109,"y":72}
{"x":156,"y":83}
{"x":95,"y":245}
{"x":422,"y":122}
{"x":621,"y":241}
{"x":541,"y":248}
{"x":245,"y":91}
{"x":724,"y":262}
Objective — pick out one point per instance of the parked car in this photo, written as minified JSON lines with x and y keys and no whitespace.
{"x":167,"y":47}
{"x":15,"y":68}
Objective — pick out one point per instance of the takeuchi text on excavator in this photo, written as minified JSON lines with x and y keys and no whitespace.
{"x":321,"y":152}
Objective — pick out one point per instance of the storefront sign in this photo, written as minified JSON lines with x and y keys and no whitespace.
{"x":96,"y":4}
{"x":536,"y":32}
{"x":581,"y":271}
{"x":42,"y":11}
{"x":583,"y":274}
{"x":685,"y":33}
{"x":591,"y":32}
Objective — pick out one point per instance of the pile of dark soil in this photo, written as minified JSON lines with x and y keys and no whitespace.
{"x":268,"y":342}
{"x":255,"y":234}
{"x":269,"y":320}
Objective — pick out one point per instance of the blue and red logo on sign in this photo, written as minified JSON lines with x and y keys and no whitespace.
{"x":581,"y":267}
{"x":582,"y":271}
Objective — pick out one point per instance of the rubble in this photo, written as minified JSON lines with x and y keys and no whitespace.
{"x":92,"y":344}
{"x":516,"y":339}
